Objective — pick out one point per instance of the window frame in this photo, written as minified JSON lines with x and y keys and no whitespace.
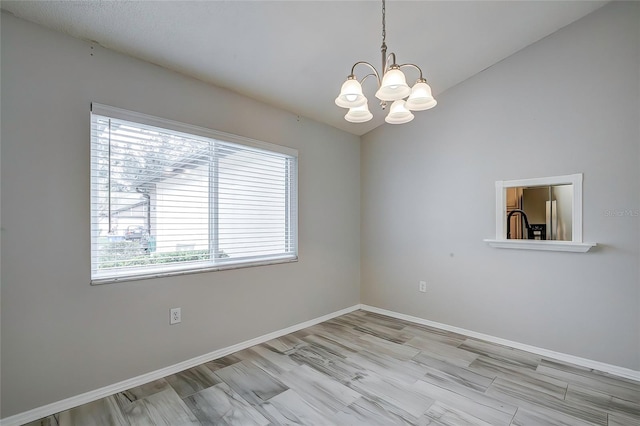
{"x":575,"y":245}
{"x":151,"y":271}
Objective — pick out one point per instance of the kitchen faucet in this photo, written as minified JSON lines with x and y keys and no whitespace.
{"x":526,"y":222}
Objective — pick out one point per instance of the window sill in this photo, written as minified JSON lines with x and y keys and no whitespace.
{"x":571,"y":246}
{"x":162,"y":272}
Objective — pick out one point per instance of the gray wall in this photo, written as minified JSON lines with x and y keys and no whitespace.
{"x":62,"y":337}
{"x":571,"y":103}
{"x":427,"y":202}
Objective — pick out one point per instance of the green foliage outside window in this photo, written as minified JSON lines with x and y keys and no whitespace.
{"x":138,"y":253}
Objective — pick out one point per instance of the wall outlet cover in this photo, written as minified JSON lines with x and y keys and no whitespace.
{"x":175,"y":316}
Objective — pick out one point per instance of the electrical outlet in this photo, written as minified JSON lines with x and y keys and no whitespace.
{"x":423,"y":286}
{"x":175,"y":316}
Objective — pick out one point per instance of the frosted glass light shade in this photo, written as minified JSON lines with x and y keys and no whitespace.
{"x":359,"y":114}
{"x":351,"y":94}
{"x":420,"y":97}
{"x":394,"y":86}
{"x":398,"y":113}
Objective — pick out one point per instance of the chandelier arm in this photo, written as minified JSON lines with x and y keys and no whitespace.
{"x":385,"y":61}
{"x":370,"y":75}
{"x":421,"y":79}
{"x":375,"y":72}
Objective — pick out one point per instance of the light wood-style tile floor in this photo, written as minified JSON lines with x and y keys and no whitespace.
{"x":368,"y":369}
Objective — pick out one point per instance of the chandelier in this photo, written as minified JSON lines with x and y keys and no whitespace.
{"x":392,"y":87}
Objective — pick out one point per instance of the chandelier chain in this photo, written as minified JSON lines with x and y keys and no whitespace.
{"x":384,"y":27}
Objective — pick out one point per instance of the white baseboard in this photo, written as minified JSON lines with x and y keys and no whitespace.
{"x":75,"y":401}
{"x":583,"y":362}
{"x":66,"y":404}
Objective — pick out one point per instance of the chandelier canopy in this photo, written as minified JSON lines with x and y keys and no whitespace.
{"x":392,"y":87}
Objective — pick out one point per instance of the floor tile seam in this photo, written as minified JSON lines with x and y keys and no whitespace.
{"x":324,"y":375}
{"x":181,"y":396}
{"x":471,"y":399}
{"x":433,"y":335}
{"x":541,"y":379}
{"x":379,"y":401}
{"x":625,"y":417}
{"x":504,"y":361}
{"x":306,"y":399}
{"x":466,"y":353}
{"x":606,"y":394}
{"x":435,"y":401}
{"x":394,"y":380}
{"x":564,"y":379}
{"x":577,"y":419}
{"x":602,"y":378}
{"x":567,"y":405}
{"x":238,"y":394}
{"x":580,"y":384}
{"x":538,"y":408}
{"x":601,"y":412}
{"x":144,"y":398}
{"x":600,"y":391}
{"x":121,"y":411}
{"x":530,"y":374}
{"x":459,"y":380}
{"x":547,"y":395}
{"x":589,"y":373}
{"x":609,"y":409}
{"x":490,"y":384}
{"x":514,"y":416}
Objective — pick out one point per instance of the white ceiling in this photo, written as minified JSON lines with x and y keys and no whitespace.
{"x":296,"y":54}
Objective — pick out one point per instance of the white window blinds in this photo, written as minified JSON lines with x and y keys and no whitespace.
{"x":168,"y":198}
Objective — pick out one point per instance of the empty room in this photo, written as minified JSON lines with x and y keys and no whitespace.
{"x":320,"y":213}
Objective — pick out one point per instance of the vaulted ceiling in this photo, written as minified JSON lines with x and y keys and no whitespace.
{"x":296,"y":54}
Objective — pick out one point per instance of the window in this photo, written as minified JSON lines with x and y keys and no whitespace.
{"x":168,"y":198}
{"x":548,"y":214}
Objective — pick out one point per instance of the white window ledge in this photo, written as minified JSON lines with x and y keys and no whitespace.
{"x":542,"y":245}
